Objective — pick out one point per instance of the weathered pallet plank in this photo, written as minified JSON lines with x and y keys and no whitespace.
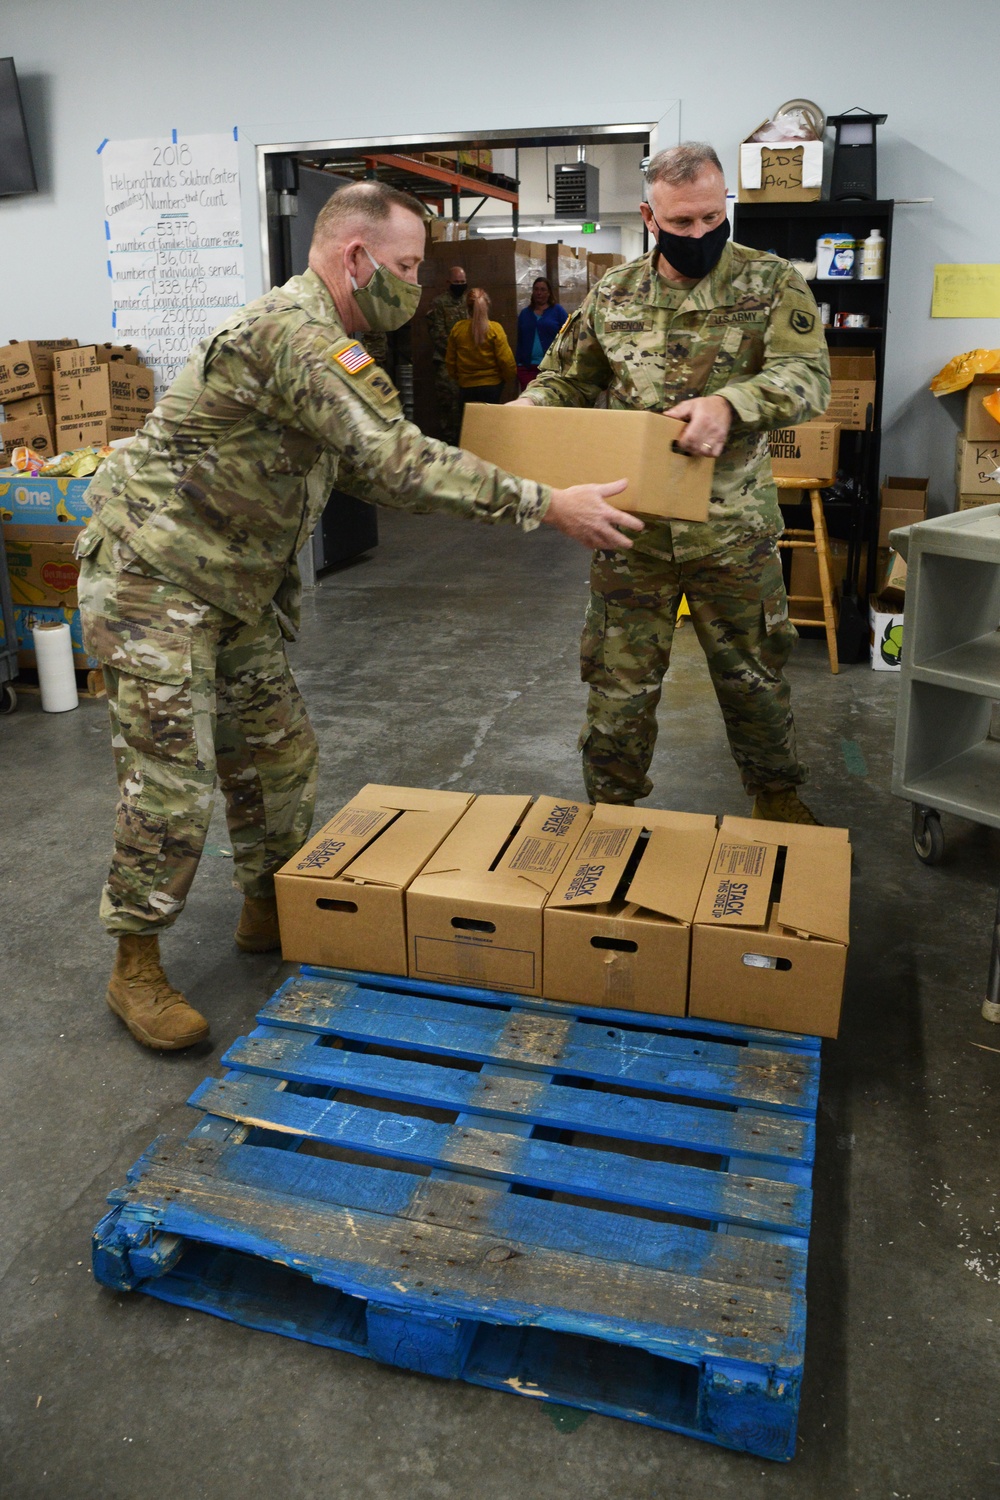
{"x":554,"y":1044}
{"x":746,"y":1036}
{"x":694,"y":1191}
{"x":432,"y":1257}
{"x":742,"y":1132}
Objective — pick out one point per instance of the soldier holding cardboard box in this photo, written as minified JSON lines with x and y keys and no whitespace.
{"x":727,"y":339}
{"x":188,"y":579}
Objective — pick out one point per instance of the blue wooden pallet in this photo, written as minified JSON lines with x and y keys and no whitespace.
{"x":604,"y":1210}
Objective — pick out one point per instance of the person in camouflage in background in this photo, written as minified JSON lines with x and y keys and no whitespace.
{"x":188,"y":582}
{"x":442,"y":315}
{"x":728,"y":339}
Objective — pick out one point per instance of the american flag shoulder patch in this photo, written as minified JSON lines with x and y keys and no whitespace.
{"x":353,"y":358}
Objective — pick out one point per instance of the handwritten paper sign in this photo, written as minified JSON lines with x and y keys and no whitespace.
{"x":174,"y":241}
{"x":966,"y":291}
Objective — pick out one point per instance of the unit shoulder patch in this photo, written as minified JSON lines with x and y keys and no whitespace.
{"x":801,"y":321}
{"x":379,"y":383}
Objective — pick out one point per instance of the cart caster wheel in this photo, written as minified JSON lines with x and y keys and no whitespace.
{"x":8,"y":699}
{"x":928,"y":837}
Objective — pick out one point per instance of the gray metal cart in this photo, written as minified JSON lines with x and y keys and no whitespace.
{"x":8,"y":646}
{"x":945,"y":759}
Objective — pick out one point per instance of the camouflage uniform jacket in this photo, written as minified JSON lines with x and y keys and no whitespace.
{"x":231,"y":471}
{"x":749,"y":331}
{"x":442,"y":315}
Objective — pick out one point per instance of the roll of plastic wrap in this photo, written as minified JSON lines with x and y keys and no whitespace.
{"x":54,"y":655}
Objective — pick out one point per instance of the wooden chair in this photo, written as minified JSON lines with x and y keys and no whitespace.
{"x":816,"y":541}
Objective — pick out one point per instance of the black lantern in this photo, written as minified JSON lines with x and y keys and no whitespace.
{"x":854,"y":155}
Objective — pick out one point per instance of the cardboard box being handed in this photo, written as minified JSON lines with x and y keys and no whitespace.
{"x":566,"y":445}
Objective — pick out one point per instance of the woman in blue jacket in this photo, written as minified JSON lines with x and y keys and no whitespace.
{"x":537,"y":326}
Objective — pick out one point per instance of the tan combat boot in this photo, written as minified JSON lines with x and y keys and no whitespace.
{"x":258,"y":926}
{"x":782,"y":807}
{"x":141,"y":994}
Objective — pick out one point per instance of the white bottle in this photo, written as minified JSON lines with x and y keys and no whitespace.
{"x":873,"y":257}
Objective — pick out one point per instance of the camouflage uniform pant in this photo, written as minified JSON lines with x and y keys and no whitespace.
{"x":449,"y":403}
{"x":740,"y":615}
{"x":196,"y":697}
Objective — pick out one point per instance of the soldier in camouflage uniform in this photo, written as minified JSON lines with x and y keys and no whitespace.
{"x":442,"y":315}
{"x":188,"y":581}
{"x":727,"y":339}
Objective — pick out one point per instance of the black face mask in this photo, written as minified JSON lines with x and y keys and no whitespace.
{"x":691,"y":257}
{"x":457,"y":289}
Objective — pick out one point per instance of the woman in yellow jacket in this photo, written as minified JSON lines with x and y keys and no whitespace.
{"x":478,"y":356}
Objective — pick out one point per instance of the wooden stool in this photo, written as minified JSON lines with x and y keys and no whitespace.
{"x":816,"y":541}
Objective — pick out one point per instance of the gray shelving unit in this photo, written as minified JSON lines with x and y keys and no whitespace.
{"x":945,"y":759}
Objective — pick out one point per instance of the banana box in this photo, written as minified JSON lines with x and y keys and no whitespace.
{"x":38,"y":501}
{"x":27,"y":616}
{"x":42,"y":568}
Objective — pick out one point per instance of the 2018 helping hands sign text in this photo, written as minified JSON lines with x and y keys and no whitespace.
{"x":174,"y":241}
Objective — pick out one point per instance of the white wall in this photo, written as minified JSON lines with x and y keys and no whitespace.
{"x":312,"y":69}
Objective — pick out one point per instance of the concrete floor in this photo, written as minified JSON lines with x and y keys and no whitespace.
{"x":448,"y":658}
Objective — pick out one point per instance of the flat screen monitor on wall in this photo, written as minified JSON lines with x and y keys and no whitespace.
{"x":17,"y":172}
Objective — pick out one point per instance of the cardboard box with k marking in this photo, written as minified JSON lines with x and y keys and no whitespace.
{"x":618,"y":924}
{"x":340,"y":898}
{"x":769,"y":946}
{"x":474,"y":914}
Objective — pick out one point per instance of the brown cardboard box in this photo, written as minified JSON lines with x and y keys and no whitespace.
{"x":26,"y":366}
{"x":340,"y":898}
{"x":894,"y":582}
{"x":567,"y":273}
{"x":89,"y":356}
{"x":43,"y":570}
{"x":977,"y":468}
{"x":598,"y":265}
{"x":105,"y":401}
{"x":804,"y":575}
{"x":32,"y":406}
{"x":979,"y":425}
{"x":970,"y":502}
{"x":32,"y":432}
{"x":781,"y":175}
{"x":447,"y":231}
{"x":808,"y":451}
{"x":852,"y":390}
{"x":568,"y":445}
{"x":617,"y":927}
{"x":771,"y":931}
{"x":903,"y":502}
{"x":474,"y":914}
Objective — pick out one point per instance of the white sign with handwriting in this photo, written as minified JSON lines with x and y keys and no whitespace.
{"x":174,"y":242}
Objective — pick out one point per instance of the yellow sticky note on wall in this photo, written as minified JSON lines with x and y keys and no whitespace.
{"x":966,"y":292}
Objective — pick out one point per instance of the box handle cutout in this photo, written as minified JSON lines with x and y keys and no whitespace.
{"x":764,"y":961}
{"x":326,"y":905}
{"x":619,"y":945}
{"x":471,"y":924}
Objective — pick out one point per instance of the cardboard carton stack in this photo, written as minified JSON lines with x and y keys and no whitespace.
{"x":567,"y":273}
{"x":101,"y":392}
{"x":903,"y":502}
{"x":42,"y":518}
{"x":977,"y":451}
{"x":26,"y":395}
{"x":599,"y":264}
{"x":622,"y":908}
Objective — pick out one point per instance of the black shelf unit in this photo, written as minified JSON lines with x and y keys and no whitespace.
{"x":791,"y":231}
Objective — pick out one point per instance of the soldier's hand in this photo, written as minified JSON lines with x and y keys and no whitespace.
{"x":583,"y":513}
{"x":708,"y":420}
{"x":519,"y":401}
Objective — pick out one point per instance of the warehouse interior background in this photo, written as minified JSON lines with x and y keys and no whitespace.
{"x":449,"y":658}
{"x":313,"y":72}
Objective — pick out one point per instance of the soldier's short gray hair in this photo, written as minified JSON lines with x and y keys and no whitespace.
{"x":368,"y":204}
{"x":682,"y":163}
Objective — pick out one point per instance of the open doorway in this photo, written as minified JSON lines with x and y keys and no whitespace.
{"x":509,"y":207}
